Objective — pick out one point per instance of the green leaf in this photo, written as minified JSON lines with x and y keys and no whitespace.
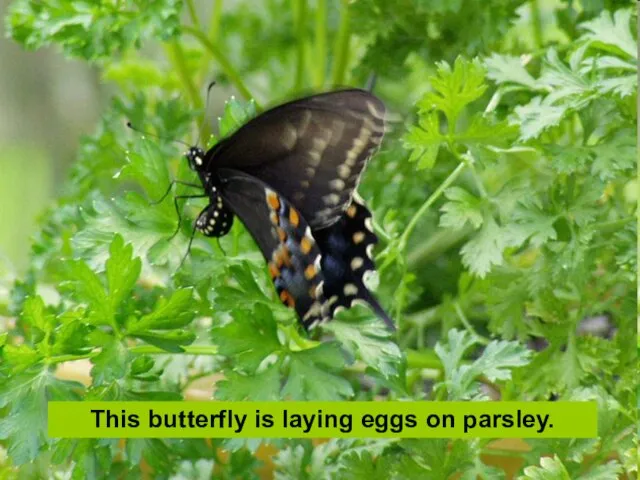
{"x":147,"y":166}
{"x":454,"y":88}
{"x":369,"y":342}
{"x":290,"y":463}
{"x":424,"y":141}
{"x":615,"y":156}
{"x":549,"y":469}
{"x":485,"y":249}
{"x":175,"y":312}
{"x":312,"y":375}
{"x":534,"y":223}
{"x":235,"y":115}
{"x":122,"y":271}
{"x":91,"y":31}
{"x":537,"y":116}
{"x":24,"y":422}
{"x":34,"y":314}
{"x":264,"y":385}
{"x":611,"y":33}
{"x":86,"y":287}
{"x":111,"y":363}
{"x":461,"y":208}
{"x":509,"y":70}
{"x":249,"y":338}
{"x":495,"y":363}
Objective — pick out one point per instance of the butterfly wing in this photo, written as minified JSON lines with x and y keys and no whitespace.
{"x":285,"y":239}
{"x":346,"y":248}
{"x":314,"y":149}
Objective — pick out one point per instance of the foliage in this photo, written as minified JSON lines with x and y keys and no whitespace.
{"x":505,"y":205}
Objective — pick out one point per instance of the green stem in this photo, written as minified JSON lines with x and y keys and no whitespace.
{"x":192,"y":13}
{"x":214,"y":23}
{"x":474,"y":173}
{"x":226,"y":66}
{"x":423,"y":359}
{"x":176,"y":54}
{"x":71,"y":357}
{"x":299,"y":8}
{"x":613,"y":225}
{"x":321,"y":43}
{"x":379,"y":231}
{"x":467,"y":324}
{"x":140,"y":349}
{"x":187,"y":350}
{"x":438,"y":242}
{"x":536,"y":21}
{"x":430,"y":201}
{"x":341,"y":46}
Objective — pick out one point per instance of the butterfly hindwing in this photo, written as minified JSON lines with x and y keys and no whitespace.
{"x":314,"y":149}
{"x":285,"y":239}
{"x":347,"y":247}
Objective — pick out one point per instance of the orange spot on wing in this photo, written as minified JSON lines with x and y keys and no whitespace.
{"x":285,"y":255}
{"x":273,"y":201}
{"x":351,"y":211}
{"x":310,"y":272}
{"x":305,"y":245}
{"x":273,"y":271}
{"x":278,"y":258}
{"x":294,"y":218}
{"x":287,"y":299}
{"x":274,"y":218}
{"x":282,"y":234}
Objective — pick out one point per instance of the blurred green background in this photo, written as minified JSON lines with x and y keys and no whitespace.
{"x":46,"y":104}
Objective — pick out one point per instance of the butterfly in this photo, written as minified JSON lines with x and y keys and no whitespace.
{"x":290,"y":175}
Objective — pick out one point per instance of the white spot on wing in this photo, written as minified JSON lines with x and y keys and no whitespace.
{"x":374,"y":111}
{"x":350,"y":289}
{"x":356,"y":263}
{"x":331,"y":199}
{"x":337,"y":184}
{"x":290,"y":136}
{"x":344,"y":171}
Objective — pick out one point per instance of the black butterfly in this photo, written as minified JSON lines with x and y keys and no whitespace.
{"x":290,"y":176}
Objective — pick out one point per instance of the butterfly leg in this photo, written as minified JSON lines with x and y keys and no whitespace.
{"x":174,"y":182}
{"x":193,"y":234}
{"x":175,"y":203}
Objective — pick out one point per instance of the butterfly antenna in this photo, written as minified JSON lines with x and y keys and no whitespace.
{"x":371,"y":82}
{"x":206,"y":106}
{"x":136,"y":129}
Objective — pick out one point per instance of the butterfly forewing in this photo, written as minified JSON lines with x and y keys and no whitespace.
{"x":314,"y":149}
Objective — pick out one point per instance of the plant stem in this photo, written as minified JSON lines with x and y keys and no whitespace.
{"x":299,"y":8}
{"x":341,"y":46}
{"x":468,"y":326}
{"x":188,"y":350}
{"x":536,"y":21}
{"x":192,"y":13}
{"x":321,"y":43}
{"x":430,"y":201}
{"x":176,"y":55}
{"x":214,"y":23}
{"x":423,"y":359}
{"x":613,"y":225}
{"x":226,"y":66}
